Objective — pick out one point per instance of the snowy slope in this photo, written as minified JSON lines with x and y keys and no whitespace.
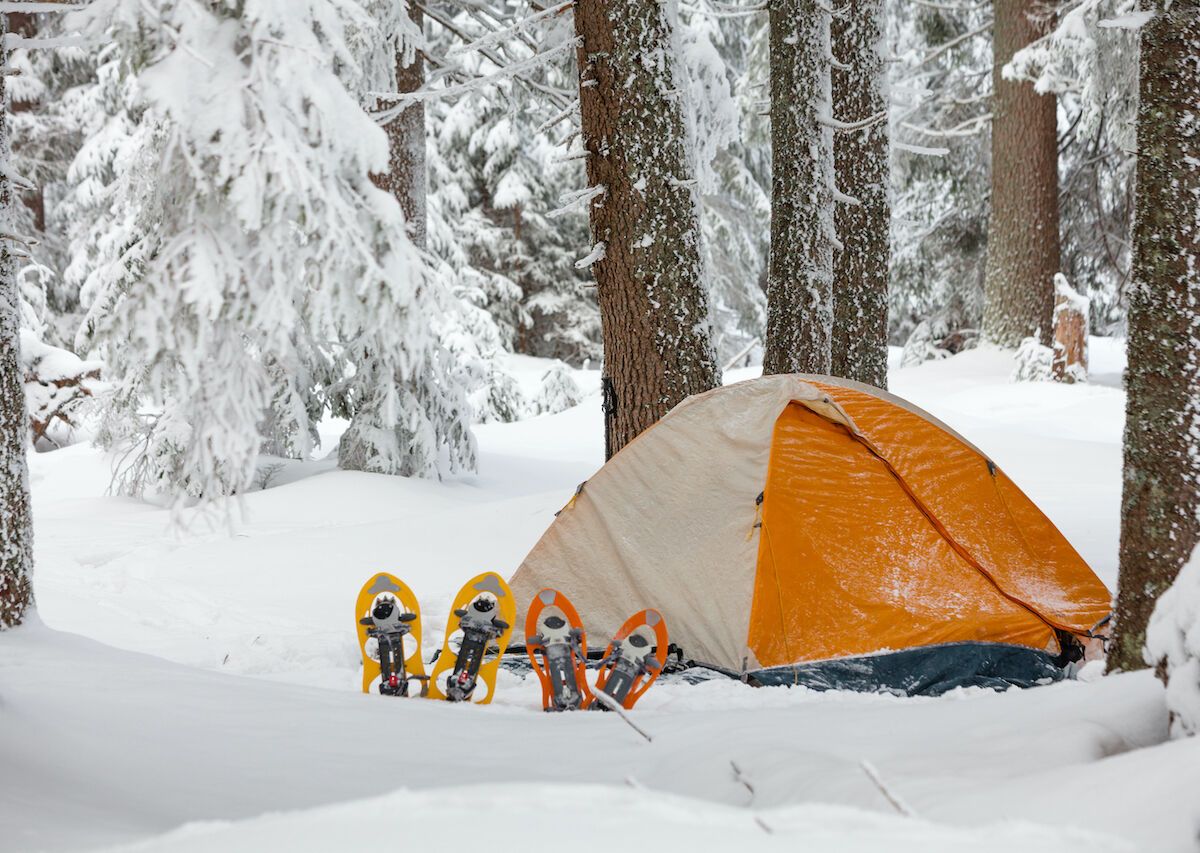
{"x":102,"y":746}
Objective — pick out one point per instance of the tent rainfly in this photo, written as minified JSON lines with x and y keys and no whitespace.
{"x":816,"y":531}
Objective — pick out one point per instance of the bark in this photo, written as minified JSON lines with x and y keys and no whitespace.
{"x":406,"y":178}
{"x":1161,"y":497}
{"x":860,"y":273}
{"x":652,"y":296}
{"x":1023,"y":241}
{"x":800,"y":274}
{"x":16,"y":524}
{"x":1070,"y":334}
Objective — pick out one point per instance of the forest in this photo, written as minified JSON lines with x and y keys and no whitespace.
{"x":291,"y":266}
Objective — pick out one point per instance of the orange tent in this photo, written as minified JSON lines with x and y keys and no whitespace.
{"x":796,"y":527}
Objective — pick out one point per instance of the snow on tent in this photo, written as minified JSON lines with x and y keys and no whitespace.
{"x":817,"y":531}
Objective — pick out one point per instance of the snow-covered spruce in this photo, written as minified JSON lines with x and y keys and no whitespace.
{"x":735,"y":207}
{"x":245,"y":271}
{"x":1034,"y":361}
{"x":1173,"y":647}
{"x":495,"y":174}
{"x":939,"y":90}
{"x":559,"y":391}
{"x":58,"y":388}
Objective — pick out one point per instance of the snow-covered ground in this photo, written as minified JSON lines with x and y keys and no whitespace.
{"x":200,"y":691}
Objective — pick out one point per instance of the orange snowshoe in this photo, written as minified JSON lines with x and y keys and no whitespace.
{"x":634,"y":659}
{"x":557,"y":647}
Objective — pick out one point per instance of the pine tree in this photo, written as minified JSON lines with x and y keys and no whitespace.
{"x":246,"y":275}
{"x":800,"y":275}
{"x":940,"y":96}
{"x":644,"y":215}
{"x":1023,"y":238}
{"x":1160,"y":524}
{"x":863,"y":220}
{"x":16,"y":521}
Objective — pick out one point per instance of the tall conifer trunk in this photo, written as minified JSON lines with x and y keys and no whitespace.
{"x":406,"y":178}
{"x":1159,"y":523}
{"x":1023,"y":242}
{"x":800,"y":274}
{"x":860,"y":274}
{"x":653,"y":301}
{"x":16,"y":523}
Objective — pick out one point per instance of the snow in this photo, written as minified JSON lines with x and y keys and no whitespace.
{"x":1173,"y":642}
{"x":199,"y":691}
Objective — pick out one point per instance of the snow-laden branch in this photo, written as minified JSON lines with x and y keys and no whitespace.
{"x":565,"y":113}
{"x":593,"y":257}
{"x":953,"y":43}
{"x":559,"y":96}
{"x":17,"y":6}
{"x":843,"y":198}
{"x":970,"y":127}
{"x":16,"y":40}
{"x":1132,"y":21}
{"x":952,"y":7}
{"x":832,"y":12}
{"x":577,"y":198}
{"x":506,"y":72}
{"x":826,"y":120}
{"x":920,"y":149}
{"x":496,"y":37}
{"x":739,"y":12}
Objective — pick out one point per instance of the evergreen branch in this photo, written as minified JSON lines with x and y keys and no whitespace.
{"x":953,"y":43}
{"x":970,"y":127}
{"x":495,"y":37}
{"x":506,"y":72}
{"x":575,"y":199}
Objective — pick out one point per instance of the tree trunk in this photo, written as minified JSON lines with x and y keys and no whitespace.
{"x":1159,"y":522}
{"x":800,"y":275}
{"x":405,"y":178}
{"x":860,"y":273}
{"x":653,"y":300}
{"x":1022,"y":247}
{"x":16,"y":523}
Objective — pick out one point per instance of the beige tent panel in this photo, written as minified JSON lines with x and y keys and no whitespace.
{"x":669,"y":522}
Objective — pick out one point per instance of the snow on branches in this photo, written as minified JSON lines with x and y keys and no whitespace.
{"x":1173,"y":647}
{"x":247,"y":274}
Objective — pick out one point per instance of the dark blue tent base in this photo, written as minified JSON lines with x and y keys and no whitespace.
{"x":924,"y":671}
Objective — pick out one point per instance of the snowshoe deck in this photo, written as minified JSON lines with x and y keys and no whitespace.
{"x":477,"y":633}
{"x":396,"y":628}
{"x":634,"y":658}
{"x":557,"y":646}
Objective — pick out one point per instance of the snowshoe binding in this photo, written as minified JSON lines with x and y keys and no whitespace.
{"x":389,"y":636}
{"x":633,"y":660}
{"x":477,"y":634}
{"x":557,"y":648}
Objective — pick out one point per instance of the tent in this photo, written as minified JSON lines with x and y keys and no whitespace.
{"x":817,"y":531}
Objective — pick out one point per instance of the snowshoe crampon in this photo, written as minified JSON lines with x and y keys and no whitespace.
{"x":634,"y":659}
{"x":388,"y":622}
{"x":477,"y":633}
{"x":557,"y":647}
